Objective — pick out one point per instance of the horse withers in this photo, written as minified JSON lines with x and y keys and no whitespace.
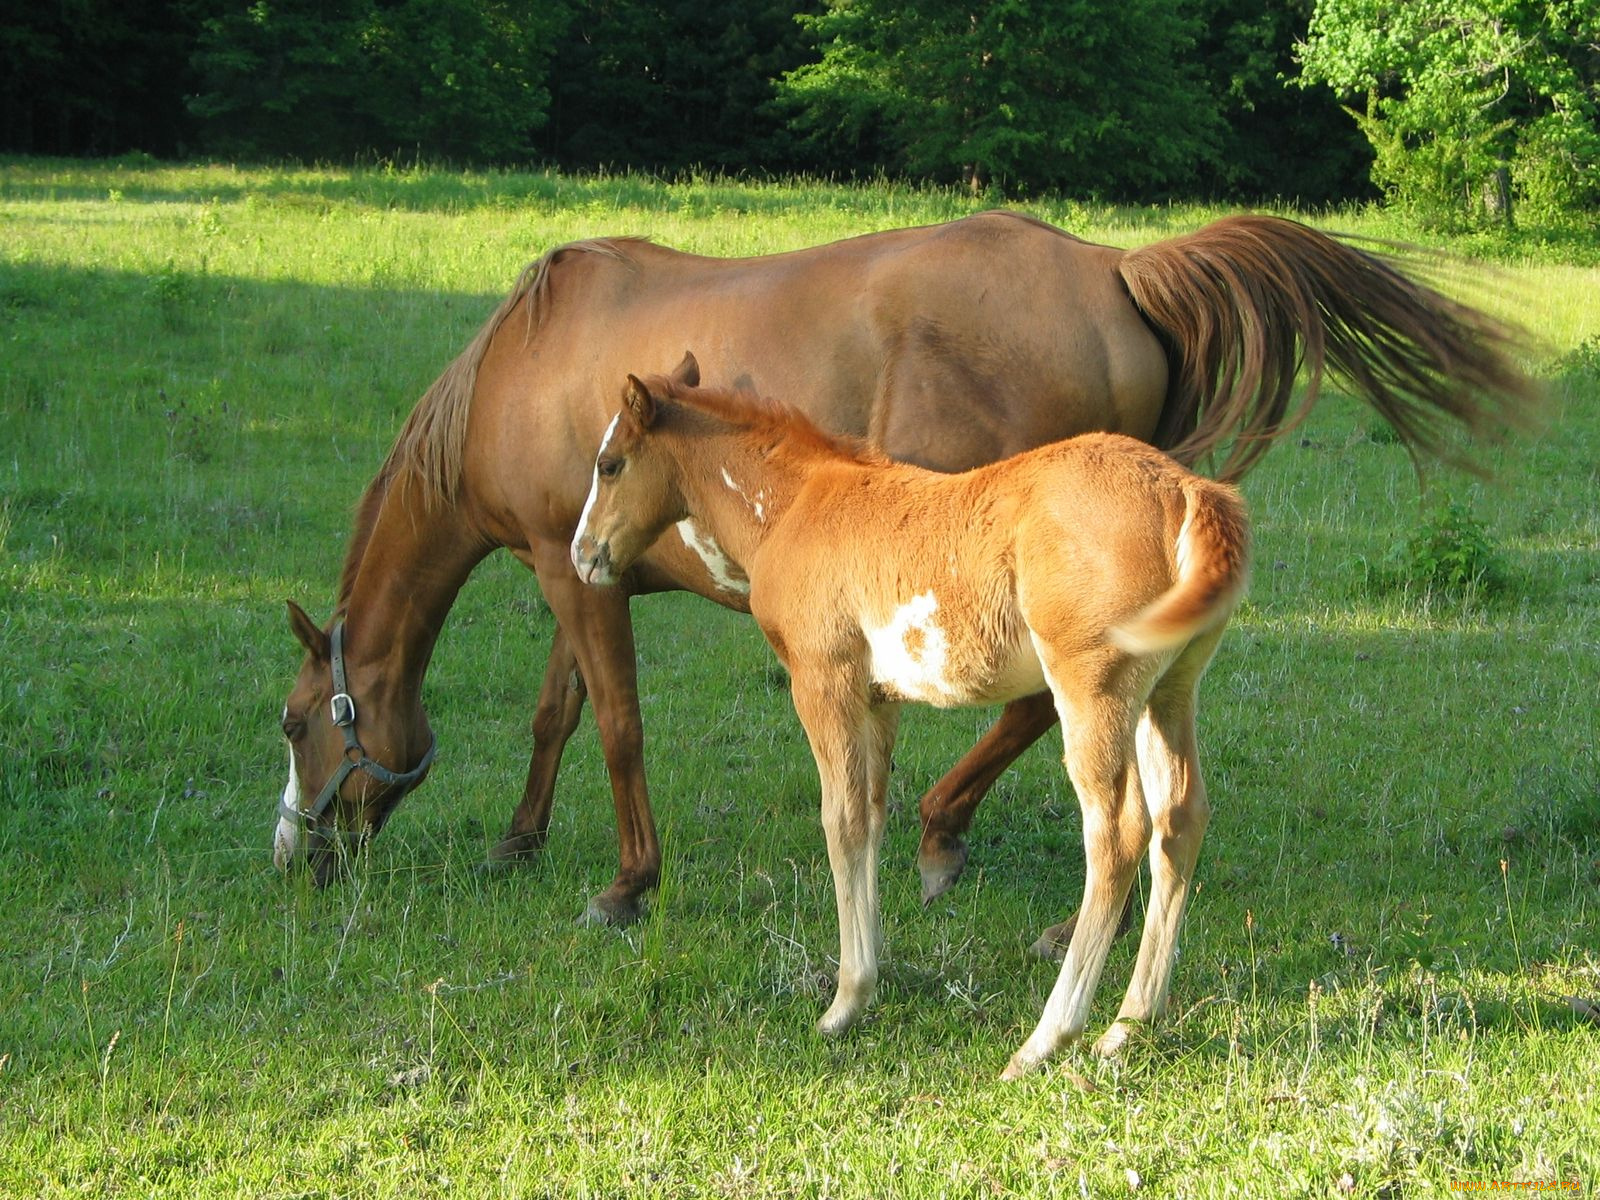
{"x":1097,"y":568}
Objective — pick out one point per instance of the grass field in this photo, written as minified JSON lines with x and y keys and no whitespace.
{"x":200,"y":368}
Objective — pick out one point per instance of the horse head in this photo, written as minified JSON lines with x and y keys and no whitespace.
{"x":633,"y":496}
{"x":344,"y":780}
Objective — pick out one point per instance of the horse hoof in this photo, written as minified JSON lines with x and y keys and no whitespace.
{"x":1053,"y":942}
{"x":940,"y":862}
{"x":517,"y":848}
{"x":606,"y":909}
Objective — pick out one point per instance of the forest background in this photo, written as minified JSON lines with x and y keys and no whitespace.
{"x":1461,"y":112}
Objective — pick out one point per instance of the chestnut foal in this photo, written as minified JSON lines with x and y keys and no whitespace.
{"x":1095,"y":567}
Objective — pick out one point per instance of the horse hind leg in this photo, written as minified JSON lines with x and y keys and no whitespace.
{"x":1169,"y":766}
{"x":948,"y":805}
{"x":1102,"y":763}
{"x":555,"y":717}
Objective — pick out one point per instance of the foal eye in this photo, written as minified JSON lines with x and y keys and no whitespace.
{"x":608,"y":468}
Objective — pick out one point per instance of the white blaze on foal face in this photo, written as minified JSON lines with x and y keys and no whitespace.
{"x":911,"y":652}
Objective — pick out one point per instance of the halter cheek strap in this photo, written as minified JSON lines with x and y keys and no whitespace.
{"x":342,"y":710}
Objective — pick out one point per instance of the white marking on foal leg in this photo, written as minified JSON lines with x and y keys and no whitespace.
{"x":725,"y":573}
{"x":286,"y":842}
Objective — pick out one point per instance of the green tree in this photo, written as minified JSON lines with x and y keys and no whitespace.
{"x":1090,"y":96}
{"x":1279,"y":142}
{"x":1469,"y":103}
{"x":460,"y":79}
{"x":96,"y":76}
{"x":673,"y":84}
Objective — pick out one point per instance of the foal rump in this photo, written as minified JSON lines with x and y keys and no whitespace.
{"x":1213,"y":553}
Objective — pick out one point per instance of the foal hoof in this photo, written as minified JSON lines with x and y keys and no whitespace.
{"x":940,"y":862}
{"x":1111,"y":1043}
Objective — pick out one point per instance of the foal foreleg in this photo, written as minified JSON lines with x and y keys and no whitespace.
{"x":851,"y":747}
{"x":1116,"y":828}
{"x":555,"y":717}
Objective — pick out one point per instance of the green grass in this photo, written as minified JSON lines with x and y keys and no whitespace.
{"x":201,"y":368}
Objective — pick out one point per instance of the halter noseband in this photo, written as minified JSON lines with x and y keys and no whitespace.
{"x":342,"y":710}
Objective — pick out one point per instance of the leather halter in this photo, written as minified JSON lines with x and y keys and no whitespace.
{"x":342,"y":710}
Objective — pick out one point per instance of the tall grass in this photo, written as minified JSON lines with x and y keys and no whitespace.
{"x":201,"y":368}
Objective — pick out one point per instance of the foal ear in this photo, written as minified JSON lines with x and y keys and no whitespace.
{"x":309,"y":633}
{"x":686,"y":373}
{"x":641,"y":404}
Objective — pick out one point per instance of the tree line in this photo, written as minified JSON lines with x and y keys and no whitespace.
{"x":1458,"y":108}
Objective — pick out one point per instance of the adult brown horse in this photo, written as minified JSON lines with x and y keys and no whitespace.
{"x":948,"y":346}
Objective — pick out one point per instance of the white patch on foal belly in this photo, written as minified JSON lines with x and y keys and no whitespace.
{"x":724,"y":572}
{"x":287,"y":840}
{"x":911,"y":652}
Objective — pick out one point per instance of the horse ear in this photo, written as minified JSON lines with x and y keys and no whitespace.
{"x":641,"y":404}
{"x":687,"y":373}
{"x":309,"y":633}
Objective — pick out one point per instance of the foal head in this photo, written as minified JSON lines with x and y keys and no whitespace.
{"x":634,"y":495}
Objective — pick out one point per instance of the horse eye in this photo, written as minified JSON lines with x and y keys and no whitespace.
{"x":608,"y":468}
{"x":293,"y":727}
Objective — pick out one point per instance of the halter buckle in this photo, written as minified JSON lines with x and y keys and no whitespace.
{"x":343,"y":709}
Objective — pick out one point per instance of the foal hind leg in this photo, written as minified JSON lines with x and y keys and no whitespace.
{"x":1169,"y":766}
{"x":948,"y":805}
{"x":554,"y":719}
{"x":1101,"y":761}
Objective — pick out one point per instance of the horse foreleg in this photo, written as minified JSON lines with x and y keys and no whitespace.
{"x":948,"y":806}
{"x":599,"y":630}
{"x":554,"y":719}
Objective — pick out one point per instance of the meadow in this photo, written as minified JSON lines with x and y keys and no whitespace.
{"x":1390,"y":968}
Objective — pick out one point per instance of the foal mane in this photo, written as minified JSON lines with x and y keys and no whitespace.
{"x":786,"y":426}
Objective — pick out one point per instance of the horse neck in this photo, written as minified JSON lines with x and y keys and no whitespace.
{"x":738,"y":486}
{"x":406,"y":565}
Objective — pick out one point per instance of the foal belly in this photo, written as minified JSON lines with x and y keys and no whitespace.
{"x":920,"y":655}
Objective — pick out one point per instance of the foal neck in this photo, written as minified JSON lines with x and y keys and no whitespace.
{"x":738,"y":483}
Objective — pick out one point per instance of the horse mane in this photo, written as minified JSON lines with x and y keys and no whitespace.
{"x":785,"y":425}
{"x":433,"y":440}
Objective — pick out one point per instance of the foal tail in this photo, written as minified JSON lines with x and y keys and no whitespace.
{"x":1213,"y":554}
{"x":1244,"y":302}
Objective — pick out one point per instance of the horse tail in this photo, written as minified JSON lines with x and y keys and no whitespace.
{"x":1213,"y":560}
{"x":1244,"y":301}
